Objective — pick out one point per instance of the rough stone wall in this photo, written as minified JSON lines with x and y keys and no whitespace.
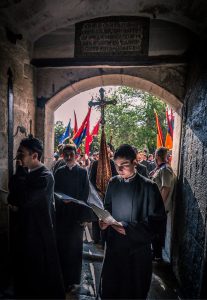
{"x":50,"y":81}
{"x":191,"y":202}
{"x":17,"y":58}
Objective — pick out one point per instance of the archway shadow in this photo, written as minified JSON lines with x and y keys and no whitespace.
{"x":188,"y":230}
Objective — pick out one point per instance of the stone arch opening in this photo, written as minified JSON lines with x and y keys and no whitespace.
{"x":122,"y":80}
{"x":116,"y":79}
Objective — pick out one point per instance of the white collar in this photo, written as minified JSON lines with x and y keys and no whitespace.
{"x":129,"y":179}
{"x":35,"y":169}
{"x":71,"y":167}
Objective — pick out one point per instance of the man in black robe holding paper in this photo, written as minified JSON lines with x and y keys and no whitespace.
{"x":135,"y":202}
{"x":71,"y":180}
{"x":35,"y":262}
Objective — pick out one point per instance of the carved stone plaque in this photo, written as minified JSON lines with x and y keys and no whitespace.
{"x":112,"y":37}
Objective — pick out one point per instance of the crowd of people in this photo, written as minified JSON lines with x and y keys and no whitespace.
{"x":46,"y":233}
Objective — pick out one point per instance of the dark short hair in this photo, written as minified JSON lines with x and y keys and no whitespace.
{"x":110,"y":146}
{"x":69,"y":147}
{"x":161,"y":152}
{"x":125,"y":151}
{"x":135,"y":149}
{"x":34,"y":145}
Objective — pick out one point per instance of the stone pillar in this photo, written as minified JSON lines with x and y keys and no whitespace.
{"x":49,"y":137}
{"x":40,"y":120}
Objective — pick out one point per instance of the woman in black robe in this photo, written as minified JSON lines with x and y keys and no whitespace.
{"x":135,"y":202}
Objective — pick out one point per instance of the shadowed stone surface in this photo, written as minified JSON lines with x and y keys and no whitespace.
{"x":163,"y":284}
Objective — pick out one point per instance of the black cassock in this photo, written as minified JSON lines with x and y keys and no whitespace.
{"x":35,"y":262}
{"x":127,"y":267}
{"x":69,"y":216}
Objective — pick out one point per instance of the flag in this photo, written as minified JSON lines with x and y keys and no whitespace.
{"x":75,"y":129}
{"x":104,"y":167}
{"x":172,"y":119}
{"x":66,"y":134}
{"x":168,"y":141}
{"x":82,"y":131}
{"x":89,"y":137}
{"x":160,"y":140}
{"x":96,"y":129}
{"x":170,"y":125}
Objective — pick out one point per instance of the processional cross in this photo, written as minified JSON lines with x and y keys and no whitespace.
{"x":102,"y":102}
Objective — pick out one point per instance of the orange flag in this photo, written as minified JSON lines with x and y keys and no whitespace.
{"x":160,"y":140}
{"x":169,"y":136}
{"x":168,"y":141}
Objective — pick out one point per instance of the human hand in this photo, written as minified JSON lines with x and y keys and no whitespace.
{"x":103,"y":225}
{"x":119,"y":228}
{"x":67,"y":201}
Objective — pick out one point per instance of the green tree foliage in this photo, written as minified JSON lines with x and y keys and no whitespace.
{"x":94,"y":147}
{"x":132,"y":119}
{"x":59,"y":130}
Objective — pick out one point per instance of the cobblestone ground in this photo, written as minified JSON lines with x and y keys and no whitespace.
{"x":163,"y":284}
{"x":91,"y":270}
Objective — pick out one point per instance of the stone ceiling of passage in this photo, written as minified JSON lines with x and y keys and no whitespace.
{"x":36,"y":18}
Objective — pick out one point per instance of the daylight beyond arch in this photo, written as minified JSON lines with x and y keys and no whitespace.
{"x":109,"y":80}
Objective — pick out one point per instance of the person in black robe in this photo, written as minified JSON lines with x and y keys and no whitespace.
{"x":135,"y":202}
{"x":35,"y":263}
{"x":141,"y":169}
{"x":71,"y":180}
{"x":60,"y":162}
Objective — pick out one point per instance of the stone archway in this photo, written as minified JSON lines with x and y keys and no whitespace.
{"x":114,"y":79}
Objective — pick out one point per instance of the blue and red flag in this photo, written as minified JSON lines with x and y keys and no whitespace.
{"x":82,"y":131}
{"x":66,"y":134}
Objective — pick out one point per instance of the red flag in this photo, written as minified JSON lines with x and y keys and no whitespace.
{"x":96,"y":128}
{"x":160,"y":140}
{"x":89,"y":137}
{"x":75,"y":124}
{"x":82,"y":131}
